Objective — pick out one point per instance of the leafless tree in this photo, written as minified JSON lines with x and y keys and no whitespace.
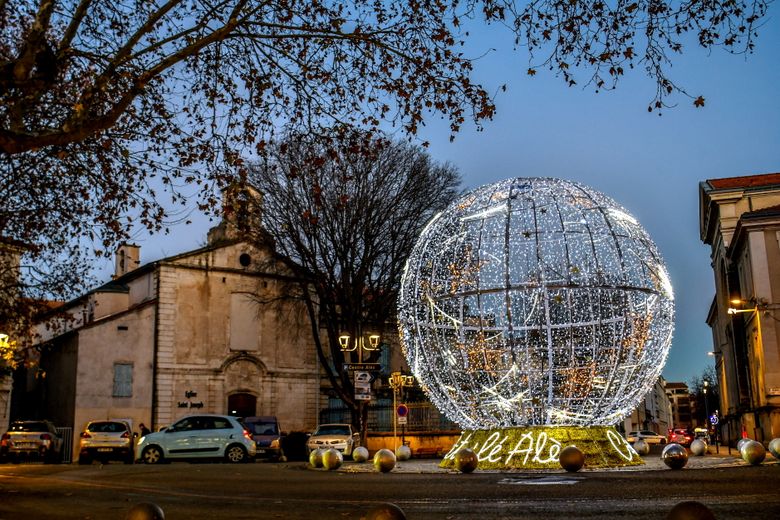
{"x":345,"y":210}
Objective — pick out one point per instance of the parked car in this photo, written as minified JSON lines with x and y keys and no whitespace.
{"x":701,"y":433}
{"x":31,"y":439}
{"x":105,"y":441}
{"x":198,"y":437}
{"x":680,"y":436}
{"x":650,"y":437}
{"x":338,"y":436}
{"x":267,"y":436}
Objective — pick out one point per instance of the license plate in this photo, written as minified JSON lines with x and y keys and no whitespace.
{"x":105,"y":449}
{"x":260,"y":451}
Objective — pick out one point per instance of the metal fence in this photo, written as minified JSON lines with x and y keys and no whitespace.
{"x":67,"y":444}
{"x":422,"y":417}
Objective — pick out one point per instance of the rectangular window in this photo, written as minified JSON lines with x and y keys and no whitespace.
{"x":123,"y":379}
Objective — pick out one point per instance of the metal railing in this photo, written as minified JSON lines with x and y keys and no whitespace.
{"x":422,"y":417}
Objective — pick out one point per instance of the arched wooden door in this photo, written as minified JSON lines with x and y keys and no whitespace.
{"x":242,"y":405}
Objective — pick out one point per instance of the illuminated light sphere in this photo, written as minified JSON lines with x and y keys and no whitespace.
{"x":774,"y":447}
{"x":675,"y":456}
{"x":466,"y":460}
{"x":572,"y":459}
{"x":384,"y":460}
{"x":315,"y":458}
{"x":403,"y":452}
{"x":690,"y":510}
{"x":698,"y":447}
{"x":360,"y":454}
{"x":753,"y":453}
{"x":641,"y":447}
{"x":332,"y":459}
{"x":535,"y":301}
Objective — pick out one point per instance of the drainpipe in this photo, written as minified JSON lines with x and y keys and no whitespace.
{"x":153,"y":425}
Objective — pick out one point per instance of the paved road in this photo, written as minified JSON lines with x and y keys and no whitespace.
{"x":264,"y":490}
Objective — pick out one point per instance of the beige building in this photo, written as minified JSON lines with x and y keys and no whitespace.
{"x":740,"y":220}
{"x":680,"y":400}
{"x":654,"y":412}
{"x":180,"y":335}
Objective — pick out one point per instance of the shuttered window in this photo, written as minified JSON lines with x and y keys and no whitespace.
{"x":123,"y":379}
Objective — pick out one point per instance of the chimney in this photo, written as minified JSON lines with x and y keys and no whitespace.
{"x":127,"y":258}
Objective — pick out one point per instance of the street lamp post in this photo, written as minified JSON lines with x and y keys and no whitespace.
{"x":706,"y":408}
{"x":359,"y":344}
{"x":397,"y":381}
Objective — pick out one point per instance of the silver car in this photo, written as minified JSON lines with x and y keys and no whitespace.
{"x":106,"y":440}
{"x":198,"y":437}
{"x":32,"y":439}
{"x":338,"y":436}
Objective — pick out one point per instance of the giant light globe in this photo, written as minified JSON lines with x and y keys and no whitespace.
{"x":535,"y":301}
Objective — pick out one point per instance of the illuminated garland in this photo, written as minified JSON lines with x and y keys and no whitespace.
{"x":535,"y":301}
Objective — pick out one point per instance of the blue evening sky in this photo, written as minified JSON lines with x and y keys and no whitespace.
{"x":649,"y":164}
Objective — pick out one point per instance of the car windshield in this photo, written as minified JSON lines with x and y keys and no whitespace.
{"x":332,"y":429}
{"x":262,"y":428}
{"x":648,"y":433}
{"x":107,"y":427}
{"x":29,"y":427}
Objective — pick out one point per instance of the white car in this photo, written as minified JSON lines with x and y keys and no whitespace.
{"x":338,"y":436}
{"x":648,"y":436}
{"x":198,"y":437}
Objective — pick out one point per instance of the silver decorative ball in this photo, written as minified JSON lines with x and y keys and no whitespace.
{"x":753,"y":453}
{"x":384,"y":460}
{"x":360,"y":454}
{"x":675,"y":456}
{"x":690,"y":510}
{"x":145,"y":511}
{"x":403,"y":453}
{"x":572,"y":459}
{"x":698,"y":447}
{"x":774,"y":447}
{"x":315,"y":458}
{"x":641,"y":447}
{"x":466,"y":460}
{"x":332,"y":459}
{"x":386,"y":511}
{"x":741,"y":443}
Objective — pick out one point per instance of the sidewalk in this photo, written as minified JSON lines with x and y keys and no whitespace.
{"x":653,"y":462}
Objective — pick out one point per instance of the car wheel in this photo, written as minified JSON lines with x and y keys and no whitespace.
{"x":235,"y":454}
{"x":152,"y":455}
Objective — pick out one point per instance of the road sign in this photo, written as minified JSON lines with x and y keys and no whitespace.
{"x":362,"y":397}
{"x":713,"y":419}
{"x":402,"y":411}
{"x":401,"y":419}
{"x":365,"y":367}
{"x":362,"y":376}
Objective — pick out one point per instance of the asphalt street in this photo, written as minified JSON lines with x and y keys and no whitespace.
{"x":729,"y":487}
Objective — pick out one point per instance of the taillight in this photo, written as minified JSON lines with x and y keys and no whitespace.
{"x":248,"y":435}
{"x":45,"y":437}
{"x":126,"y":435}
{"x":5,"y":437}
{"x":86,"y":435}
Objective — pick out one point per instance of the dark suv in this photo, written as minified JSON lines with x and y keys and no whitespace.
{"x":267,"y":436}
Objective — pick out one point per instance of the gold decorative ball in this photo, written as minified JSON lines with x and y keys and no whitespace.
{"x":675,"y":456}
{"x":753,"y":453}
{"x":741,"y":443}
{"x":571,"y":458}
{"x":145,"y":511}
{"x":774,"y":447}
{"x":403,"y":452}
{"x":698,"y":447}
{"x":332,"y":459}
{"x":386,"y":512}
{"x":690,"y":510}
{"x":466,"y":460}
{"x":384,"y":460}
{"x":641,"y":447}
{"x":360,"y":454}
{"x":315,"y":458}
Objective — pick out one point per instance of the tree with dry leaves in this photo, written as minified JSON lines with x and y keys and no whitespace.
{"x":114,"y":112}
{"x":344,"y":210}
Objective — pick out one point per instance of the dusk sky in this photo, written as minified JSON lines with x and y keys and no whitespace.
{"x":649,"y":164}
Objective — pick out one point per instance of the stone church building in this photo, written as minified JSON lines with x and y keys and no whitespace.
{"x":180,"y":335}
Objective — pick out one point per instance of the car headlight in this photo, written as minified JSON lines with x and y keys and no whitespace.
{"x":275,"y":443}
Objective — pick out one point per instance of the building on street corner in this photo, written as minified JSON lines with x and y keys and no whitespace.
{"x":739,"y":218}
